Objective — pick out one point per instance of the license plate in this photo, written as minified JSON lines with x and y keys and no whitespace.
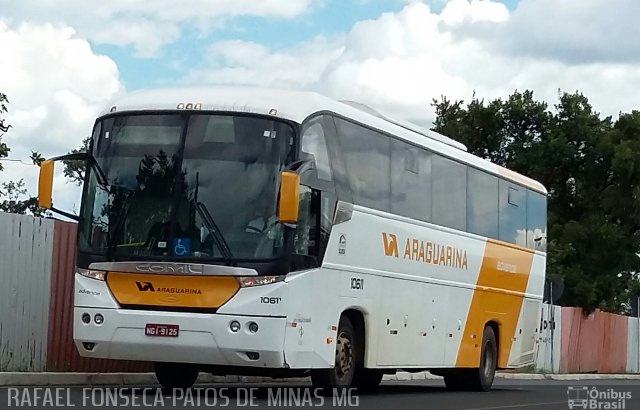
{"x":154,"y":329}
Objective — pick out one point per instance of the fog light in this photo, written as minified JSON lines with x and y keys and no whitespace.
{"x":253,"y":355}
{"x":253,"y":327}
{"x":99,"y":319}
{"x":86,"y":318}
{"x":234,"y":326}
{"x":88,"y":345}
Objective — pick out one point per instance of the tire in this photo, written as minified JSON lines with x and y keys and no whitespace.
{"x":341,"y":375}
{"x":367,"y":379}
{"x":479,"y":379}
{"x":482,"y":378}
{"x":176,"y":375}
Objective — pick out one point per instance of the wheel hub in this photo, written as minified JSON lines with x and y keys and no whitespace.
{"x":344,"y":355}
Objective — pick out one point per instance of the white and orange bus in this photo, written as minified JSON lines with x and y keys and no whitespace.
{"x":245,"y":231}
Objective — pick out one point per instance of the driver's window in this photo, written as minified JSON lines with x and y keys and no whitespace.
{"x":314,"y":145}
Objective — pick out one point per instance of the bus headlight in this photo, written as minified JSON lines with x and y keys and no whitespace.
{"x":250,"y":281}
{"x":91,"y":273}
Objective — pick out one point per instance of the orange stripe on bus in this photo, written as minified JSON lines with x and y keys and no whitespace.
{"x":498,"y":297}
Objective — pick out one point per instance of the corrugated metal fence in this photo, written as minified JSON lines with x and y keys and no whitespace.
{"x":26,"y":246}
{"x":597,"y":343}
{"x":37,"y":259}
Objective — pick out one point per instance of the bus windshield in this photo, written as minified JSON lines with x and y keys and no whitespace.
{"x":192,"y":186}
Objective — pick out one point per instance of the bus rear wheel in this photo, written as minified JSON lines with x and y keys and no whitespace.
{"x":176,"y":375}
{"x":479,"y":379}
{"x":341,"y":375}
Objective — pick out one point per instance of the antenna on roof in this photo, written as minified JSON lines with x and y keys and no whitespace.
{"x":407,"y":125}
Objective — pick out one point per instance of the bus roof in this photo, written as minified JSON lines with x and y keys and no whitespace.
{"x":297,"y":106}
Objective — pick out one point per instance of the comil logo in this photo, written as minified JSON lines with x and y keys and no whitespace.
{"x":145,"y":287}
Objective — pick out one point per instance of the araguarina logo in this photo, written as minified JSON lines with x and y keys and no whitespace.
{"x":148,"y":287}
{"x":145,"y":286}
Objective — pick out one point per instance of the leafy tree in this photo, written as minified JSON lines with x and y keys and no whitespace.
{"x":74,"y":170}
{"x":591,"y":168}
{"x":36,"y":158}
{"x":15,"y":192}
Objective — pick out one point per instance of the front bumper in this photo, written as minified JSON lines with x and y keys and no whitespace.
{"x":202,"y":339}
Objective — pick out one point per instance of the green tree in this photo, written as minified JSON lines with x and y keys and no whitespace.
{"x":591,"y":168}
{"x":15,"y":202}
{"x":74,"y":170}
{"x":16,"y":198}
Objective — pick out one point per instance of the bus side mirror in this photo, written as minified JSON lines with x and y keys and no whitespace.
{"x":289,"y":198}
{"x":45,"y":184}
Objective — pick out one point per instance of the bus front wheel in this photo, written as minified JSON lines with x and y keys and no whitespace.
{"x":176,"y":375}
{"x":341,"y":375}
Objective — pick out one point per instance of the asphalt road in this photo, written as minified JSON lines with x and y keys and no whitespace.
{"x":425,"y":394}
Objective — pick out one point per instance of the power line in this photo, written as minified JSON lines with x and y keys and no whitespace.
{"x":22,"y":161}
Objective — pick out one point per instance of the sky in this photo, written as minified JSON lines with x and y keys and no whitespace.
{"x":62,"y":61}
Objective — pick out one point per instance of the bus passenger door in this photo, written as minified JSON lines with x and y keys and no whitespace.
{"x":523,"y":349}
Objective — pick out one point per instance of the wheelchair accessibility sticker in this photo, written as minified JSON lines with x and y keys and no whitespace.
{"x":182,"y":246}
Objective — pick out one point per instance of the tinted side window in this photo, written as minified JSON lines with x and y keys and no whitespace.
{"x":536,"y":221}
{"x":410,"y":181}
{"x":482,"y":203}
{"x":513,"y":213}
{"x":314,"y":145}
{"x":449,"y":193}
{"x":367,"y":157}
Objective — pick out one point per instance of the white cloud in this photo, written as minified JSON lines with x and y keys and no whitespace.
{"x":462,"y":11}
{"x":574,"y":31}
{"x":146,"y":25}
{"x":147,"y":36}
{"x":400,"y":61}
{"x":249,"y":63}
{"x":56,"y":85}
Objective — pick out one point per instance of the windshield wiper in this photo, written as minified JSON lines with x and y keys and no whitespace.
{"x":123,"y":212}
{"x":101,"y":178}
{"x":221,"y":243}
